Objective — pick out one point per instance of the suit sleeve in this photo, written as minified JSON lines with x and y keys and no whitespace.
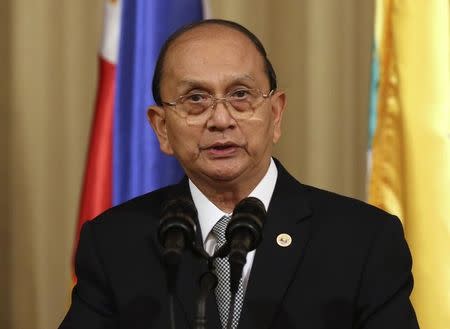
{"x":387,"y":282}
{"x":92,"y":300}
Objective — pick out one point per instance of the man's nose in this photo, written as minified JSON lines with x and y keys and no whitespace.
{"x":221,"y":117}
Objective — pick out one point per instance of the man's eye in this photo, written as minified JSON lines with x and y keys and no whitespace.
{"x":196,"y":98}
{"x":240,"y":94}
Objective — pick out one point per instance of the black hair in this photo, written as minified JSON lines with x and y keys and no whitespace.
{"x":156,"y":84}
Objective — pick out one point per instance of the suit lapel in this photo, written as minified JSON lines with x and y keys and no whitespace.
{"x":274,"y":266}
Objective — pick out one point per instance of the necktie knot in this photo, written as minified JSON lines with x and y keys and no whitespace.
{"x":219,"y":230}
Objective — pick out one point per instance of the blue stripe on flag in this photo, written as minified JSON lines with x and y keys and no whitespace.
{"x":138,"y":164}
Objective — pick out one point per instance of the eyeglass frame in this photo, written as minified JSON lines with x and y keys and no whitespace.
{"x":216,"y":99}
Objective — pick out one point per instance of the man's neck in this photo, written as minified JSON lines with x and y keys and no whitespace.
{"x":227,"y":194}
{"x":227,"y":200}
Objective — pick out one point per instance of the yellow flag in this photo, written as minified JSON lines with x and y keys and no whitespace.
{"x":411,"y":147}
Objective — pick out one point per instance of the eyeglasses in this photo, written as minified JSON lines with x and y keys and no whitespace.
{"x":197,"y":107}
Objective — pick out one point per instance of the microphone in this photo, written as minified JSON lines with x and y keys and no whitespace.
{"x":176,"y":229}
{"x":243,"y":234}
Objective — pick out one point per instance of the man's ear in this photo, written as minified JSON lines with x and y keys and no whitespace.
{"x":278,"y":101}
{"x":157,"y":118}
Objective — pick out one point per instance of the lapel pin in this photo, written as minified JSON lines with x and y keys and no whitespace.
{"x":284,"y":240}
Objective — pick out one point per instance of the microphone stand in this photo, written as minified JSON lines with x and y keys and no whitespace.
{"x":171,"y":274}
{"x":237,"y":259}
{"x":231,"y":311}
{"x":207,"y":282}
{"x":172,"y":258}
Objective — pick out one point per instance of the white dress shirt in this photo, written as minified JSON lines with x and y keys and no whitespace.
{"x":209,"y":214}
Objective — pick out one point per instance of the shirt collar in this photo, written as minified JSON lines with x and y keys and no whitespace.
{"x":209,"y":214}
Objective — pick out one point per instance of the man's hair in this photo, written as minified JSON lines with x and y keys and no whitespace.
{"x":157,"y":76}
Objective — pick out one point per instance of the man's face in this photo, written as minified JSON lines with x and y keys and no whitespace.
{"x":217,"y":60}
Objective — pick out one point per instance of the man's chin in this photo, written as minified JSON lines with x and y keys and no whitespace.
{"x":224,"y":174}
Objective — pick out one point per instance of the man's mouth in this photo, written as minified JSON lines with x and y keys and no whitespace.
{"x":222,"y":149}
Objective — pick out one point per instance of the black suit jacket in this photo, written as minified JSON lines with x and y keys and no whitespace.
{"x":348,"y":267}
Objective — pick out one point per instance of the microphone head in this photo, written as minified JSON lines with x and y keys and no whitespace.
{"x":248,"y":218}
{"x":178,"y":214}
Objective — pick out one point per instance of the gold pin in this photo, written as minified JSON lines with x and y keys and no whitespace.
{"x":284,"y":240}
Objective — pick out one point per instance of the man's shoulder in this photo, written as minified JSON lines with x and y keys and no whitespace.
{"x":340,"y":204}
{"x":141,"y":209}
{"x":332,"y":209}
{"x":340,"y":213}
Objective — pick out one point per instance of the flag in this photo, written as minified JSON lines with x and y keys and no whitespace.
{"x":96,"y":195}
{"x":124,"y":159}
{"x":139,"y":166}
{"x":410,"y":174}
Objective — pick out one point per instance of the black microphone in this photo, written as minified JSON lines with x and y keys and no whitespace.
{"x":243,"y":234}
{"x":176,"y":229}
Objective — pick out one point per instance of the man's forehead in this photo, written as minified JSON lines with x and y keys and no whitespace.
{"x":212,"y":54}
{"x":207,"y":32}
{"x":198,"y":82}
{"x":237,"y":77}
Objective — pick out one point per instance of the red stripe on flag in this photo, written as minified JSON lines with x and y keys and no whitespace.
{"x":97,"y":186}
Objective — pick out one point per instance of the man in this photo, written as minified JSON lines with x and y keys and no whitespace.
{"x":326,"y":261}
